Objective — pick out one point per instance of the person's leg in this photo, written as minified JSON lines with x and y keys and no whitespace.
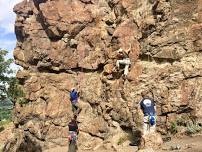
{"x":126,"y":69}
{"x":79,"y":107}
{"x":118,"y":64}
{"x":127,"y":64}
{"x":74,"y":108}
{"x":121,"y":62}
{"x":145,"y":125}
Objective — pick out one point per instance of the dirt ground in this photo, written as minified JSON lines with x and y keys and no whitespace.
{"x":184,"y":144}
{"x":180,"y":144}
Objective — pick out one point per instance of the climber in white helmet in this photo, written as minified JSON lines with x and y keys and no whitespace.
{"x":148,"y":108}
{"x":123,"y":59}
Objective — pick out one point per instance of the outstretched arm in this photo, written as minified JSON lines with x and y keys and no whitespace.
{"x":127,"y":51}
{"x":154,"y":106}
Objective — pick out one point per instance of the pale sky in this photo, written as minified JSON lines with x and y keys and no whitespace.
{"x":7,"y":20}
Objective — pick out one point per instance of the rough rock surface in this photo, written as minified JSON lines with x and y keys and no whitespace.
{"x":66,"y":43}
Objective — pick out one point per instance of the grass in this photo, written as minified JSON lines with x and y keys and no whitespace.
{"x":173,"y":127}
{"x":189,"y":123}
{"x":193,"y":128}
{"x":122,"y":139}
{"x":5,"y":114}
{"x":5,"y":122}
{"x":5,"y":118}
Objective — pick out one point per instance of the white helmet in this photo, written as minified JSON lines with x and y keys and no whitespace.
{"x":120,"y":50}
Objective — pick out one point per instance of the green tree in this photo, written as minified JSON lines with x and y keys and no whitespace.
{"x":5,"y":71}
{"x":10,"y":90}
{"x":5,"y":78}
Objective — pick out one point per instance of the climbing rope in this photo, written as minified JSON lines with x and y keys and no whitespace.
{"x":80,"y":74}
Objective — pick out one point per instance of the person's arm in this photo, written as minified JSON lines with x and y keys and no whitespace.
{"x":141,"y":107}
{"x":77,"y":130}
{"x":154,"y":106}
{"x":78,"y":93}
{"x":127,"y":51}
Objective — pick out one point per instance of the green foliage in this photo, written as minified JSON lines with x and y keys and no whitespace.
{"x":9,"y":86}
{"x":173,"y":127}
{"x":5,"y":77}
{"x":193,"y":128}
{"x":15,"y":91}
{"x":122,"y":139}
{"x":188,"y":122}
{"x":5,"y":114}
{"x":4,"y":122}
{"x":10,"y":90}
{"x":5,"y":70}
{"x":5,"y":118}
{"x":22,"y":101}
{"x":182,"y":121}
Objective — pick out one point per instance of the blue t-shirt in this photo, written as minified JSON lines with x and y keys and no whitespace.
{"x":74,"y":96}
{"x":147,"y":106}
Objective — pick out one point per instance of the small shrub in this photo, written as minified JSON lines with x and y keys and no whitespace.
{"x":173,"y":127}
{"x":122,"y":139}
{"x":182,"y":121}
{"x":193,"y":128}
{"x":22,"y":101}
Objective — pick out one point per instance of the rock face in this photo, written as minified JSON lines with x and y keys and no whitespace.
{"x":72,"y":43}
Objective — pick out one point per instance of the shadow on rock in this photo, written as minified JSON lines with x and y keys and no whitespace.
{"x":26,"y":144}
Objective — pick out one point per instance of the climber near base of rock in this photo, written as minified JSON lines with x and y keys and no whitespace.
{"x":74,"y":98}
{"x":73,"y":126}
{"x":73,"y":130}
{"x":123,"y":58}
{"x":148,"y":108}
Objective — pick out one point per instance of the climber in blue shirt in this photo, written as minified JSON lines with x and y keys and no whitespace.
{"x":74,"y":98}
{"x":148,"y":108}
